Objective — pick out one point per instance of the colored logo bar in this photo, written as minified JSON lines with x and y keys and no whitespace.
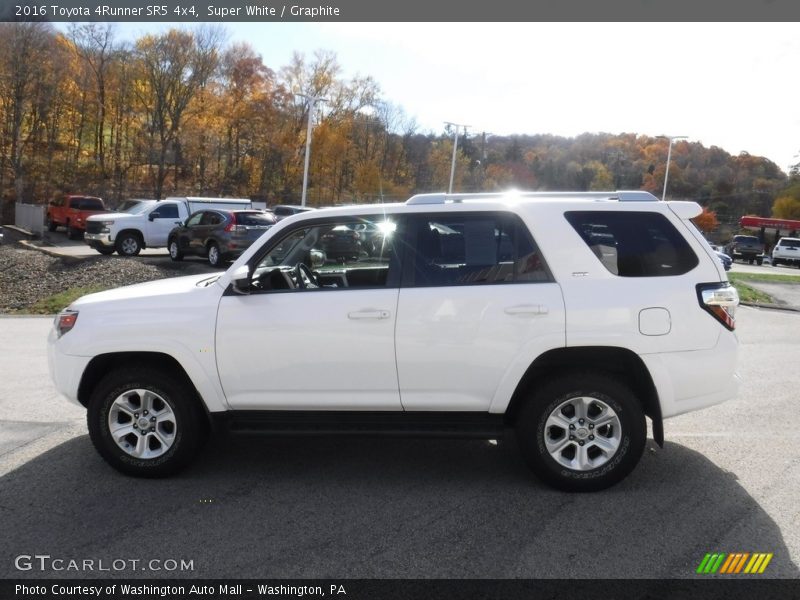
{"x":734,"y":563}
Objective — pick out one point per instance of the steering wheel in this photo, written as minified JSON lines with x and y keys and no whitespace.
{"x":305,"y":277}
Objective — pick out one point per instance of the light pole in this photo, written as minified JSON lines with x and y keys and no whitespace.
{"x":455,"y":147}
{"x":671,"y":138}
{"x":312,"y":102}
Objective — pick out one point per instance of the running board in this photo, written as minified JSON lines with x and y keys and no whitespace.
{"x":363,"y":423}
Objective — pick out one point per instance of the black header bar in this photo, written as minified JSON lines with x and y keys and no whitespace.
{"x":222,"y":11}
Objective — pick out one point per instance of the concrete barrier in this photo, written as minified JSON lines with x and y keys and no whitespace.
{"x":29,"y":217}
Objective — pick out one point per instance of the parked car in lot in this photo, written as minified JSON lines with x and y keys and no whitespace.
{"x":282,"y":211}
{"x":482,"y":315}
{"x":786,"y":252}
{"x":341,"y":242}
{"x":747,"y":248}
{"x":71,"y":212}
{"x":219,"y":235}
{"x":726,"y":260}
{"x":148,"y":223}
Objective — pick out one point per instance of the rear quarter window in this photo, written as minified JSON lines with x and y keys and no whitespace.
{"x":255,"y":219}
{"x":91,"y":204}
{"x":634,"y":244}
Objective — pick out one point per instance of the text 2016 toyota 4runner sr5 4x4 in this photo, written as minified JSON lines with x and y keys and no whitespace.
{"x":566,"y":317}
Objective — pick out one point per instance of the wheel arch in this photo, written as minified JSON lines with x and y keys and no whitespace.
{"x":135,"y":232}
{"x":102,"y":364}
{"x":621,"y":363}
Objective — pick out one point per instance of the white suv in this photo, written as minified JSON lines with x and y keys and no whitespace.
{"x":566,"y":317}
{"x":787,"y":252}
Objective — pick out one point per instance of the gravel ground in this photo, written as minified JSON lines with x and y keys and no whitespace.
{"x":27,"y":276}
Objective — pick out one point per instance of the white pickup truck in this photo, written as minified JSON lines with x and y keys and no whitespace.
{"x":147,"y":223}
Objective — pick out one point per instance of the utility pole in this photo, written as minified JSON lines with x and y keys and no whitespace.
{"x":671,"y":138}
{"x":312,"y":102}
{"x":455,"y":147}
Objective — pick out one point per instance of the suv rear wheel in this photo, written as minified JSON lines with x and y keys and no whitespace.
{"x":582,"y":432}
{"x":145,"y":422}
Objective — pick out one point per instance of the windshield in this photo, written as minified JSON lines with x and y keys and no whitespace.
{"x":133,"y":207}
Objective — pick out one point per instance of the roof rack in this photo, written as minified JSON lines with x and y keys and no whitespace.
{"x":619,"y":196}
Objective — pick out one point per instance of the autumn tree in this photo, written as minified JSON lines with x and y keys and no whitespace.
{"x":706,"y":221}
{"x":174,"y":66}
{"x":787,"y":204}
{"x":24,"y":49}
{"x":94,"y":43}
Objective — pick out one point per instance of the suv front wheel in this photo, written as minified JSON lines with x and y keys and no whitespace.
{"x":582,"y":432}
{"x":145,"y":422}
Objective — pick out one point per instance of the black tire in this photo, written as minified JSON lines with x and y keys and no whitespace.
{"x":190,"y":427}
{"x":74,"y":234}
{"x":775,"y":262}
{"x":750,"y":261}
{"x":51,"y":225}
{"x":214,"y":255}
{"x":174,"y":250}
{"x":531,"y":431}
{"x":759,"y":261}
{"x":105,"y":251}
{"x":128,"y":244}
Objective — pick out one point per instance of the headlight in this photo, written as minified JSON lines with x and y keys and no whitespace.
{"x":107,"y":223}
{"x":65,"y":321}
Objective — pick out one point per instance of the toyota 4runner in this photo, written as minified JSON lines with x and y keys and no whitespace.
{"x":566,"y":318}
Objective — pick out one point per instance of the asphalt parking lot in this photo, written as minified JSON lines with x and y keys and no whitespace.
{"x":728,"y":480}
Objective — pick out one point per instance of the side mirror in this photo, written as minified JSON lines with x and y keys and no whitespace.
{"x":151,"y":216}
{"x":240,"y":280}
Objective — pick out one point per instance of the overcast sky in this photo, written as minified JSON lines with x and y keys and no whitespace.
{"x":733,"y":85}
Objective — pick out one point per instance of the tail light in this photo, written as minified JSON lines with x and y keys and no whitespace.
{"x":233,"y":227}
{"x":720,"y":301}
{"x":65,"y":321}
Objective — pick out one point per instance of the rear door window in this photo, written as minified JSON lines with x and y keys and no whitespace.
{"x":634,"y":244}
{"x":470,"y":249}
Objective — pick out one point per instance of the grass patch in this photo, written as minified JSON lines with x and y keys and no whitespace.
{"x":768,"y":277}
{"x":55,"y":303}
{"x":748,"y":294}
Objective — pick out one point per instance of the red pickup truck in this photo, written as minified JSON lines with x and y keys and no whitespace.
{"x":71,"y":212}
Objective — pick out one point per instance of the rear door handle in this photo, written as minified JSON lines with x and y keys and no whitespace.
{"x":368,"y":314}
{"x":527,"y":310}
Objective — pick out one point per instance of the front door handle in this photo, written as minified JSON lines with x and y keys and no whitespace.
{"x":368,"y":314}
{"x":527,"y":310}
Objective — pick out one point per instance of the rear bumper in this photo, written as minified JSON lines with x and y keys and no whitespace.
{"x":688,"y":381}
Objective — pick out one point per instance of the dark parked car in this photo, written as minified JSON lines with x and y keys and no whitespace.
{"x":341,"y":243}
{"x":287,"y":210}
{"x":219,"y":235}
{"x":747,"y":248}
{"x":726,"y":260}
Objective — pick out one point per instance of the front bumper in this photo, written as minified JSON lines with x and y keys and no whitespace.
{"x":66,"y":370}
{"x":102,"y":239}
